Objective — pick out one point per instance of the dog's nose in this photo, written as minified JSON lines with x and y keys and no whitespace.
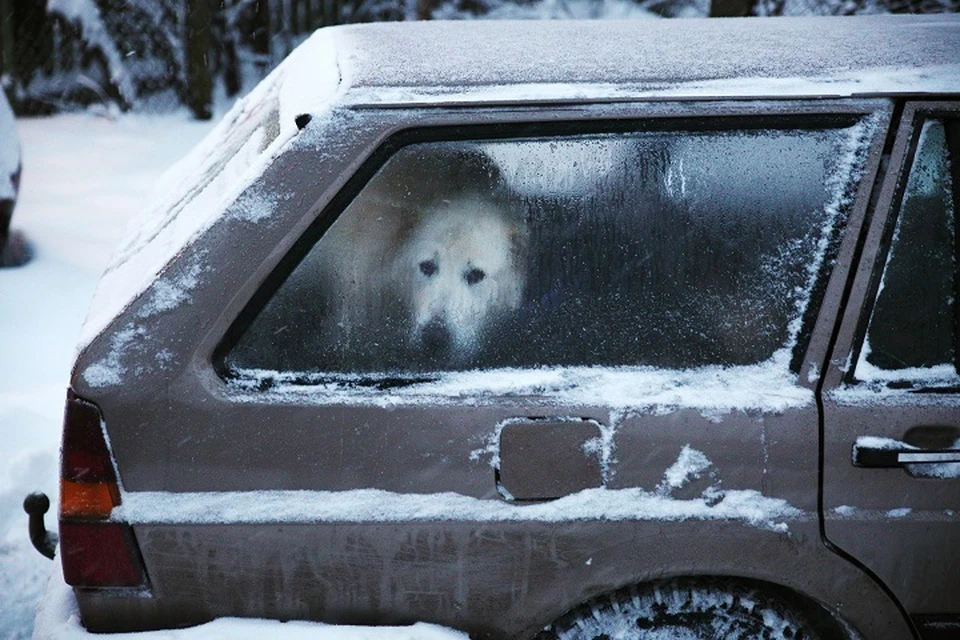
{"x":435,"y":338}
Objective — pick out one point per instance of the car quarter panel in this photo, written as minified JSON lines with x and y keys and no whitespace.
{"x":492,"y":580}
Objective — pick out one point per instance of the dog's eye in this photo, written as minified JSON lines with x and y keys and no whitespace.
{"x":474,"y":276}
{"x":429,"y":267}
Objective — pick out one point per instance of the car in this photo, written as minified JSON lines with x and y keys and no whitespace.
{"x":541,"y":330}
{"x":9,"y":177}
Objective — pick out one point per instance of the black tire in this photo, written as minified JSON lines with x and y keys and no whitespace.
{"x":698,"y":609}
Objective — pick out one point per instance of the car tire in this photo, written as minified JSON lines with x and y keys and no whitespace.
{"x":697,"y":609}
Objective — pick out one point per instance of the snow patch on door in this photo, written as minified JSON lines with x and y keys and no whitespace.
{"x":690,"y":465}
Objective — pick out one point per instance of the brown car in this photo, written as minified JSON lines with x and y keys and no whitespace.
{"x":555,"y":330}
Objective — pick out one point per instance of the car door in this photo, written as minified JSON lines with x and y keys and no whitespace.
{"x":891,"y":393}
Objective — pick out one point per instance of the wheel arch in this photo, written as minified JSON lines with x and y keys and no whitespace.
{"x":824,"y":620}
{"x":796,"y":563}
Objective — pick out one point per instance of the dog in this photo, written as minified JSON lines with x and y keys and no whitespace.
{"x":423,"y":263}
{"x":459,"y":270}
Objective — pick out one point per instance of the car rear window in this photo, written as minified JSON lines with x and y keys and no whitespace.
{"x":668,"y":249}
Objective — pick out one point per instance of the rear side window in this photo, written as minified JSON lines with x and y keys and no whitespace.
{"x":667,"y":249}
{"x":913,"y":331}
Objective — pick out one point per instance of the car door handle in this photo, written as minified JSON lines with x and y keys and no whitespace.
{"x":880,"y":457}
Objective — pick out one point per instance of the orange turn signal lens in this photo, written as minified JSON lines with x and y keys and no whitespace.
{"x":88,"y":499}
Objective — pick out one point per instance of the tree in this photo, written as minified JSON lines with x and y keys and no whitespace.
{"x":731,"y":8}
{"x":198,"y":47}
{"x":85,"y":16}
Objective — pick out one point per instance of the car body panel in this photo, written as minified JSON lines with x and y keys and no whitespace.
{"x":493,"y":581}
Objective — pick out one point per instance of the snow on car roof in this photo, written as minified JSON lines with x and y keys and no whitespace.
{"x":761,"y":57}
{"x":515,"y":61}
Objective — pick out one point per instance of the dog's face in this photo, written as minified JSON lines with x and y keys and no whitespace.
{"x":461,"y":263}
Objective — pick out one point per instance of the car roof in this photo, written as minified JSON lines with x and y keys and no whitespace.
{"x":511,"y":61}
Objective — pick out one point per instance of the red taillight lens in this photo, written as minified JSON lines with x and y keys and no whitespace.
{"x":88,"y":484}
{"x":85,"y":455}
{"x":100,"y":554}
{"x":95,"y":552}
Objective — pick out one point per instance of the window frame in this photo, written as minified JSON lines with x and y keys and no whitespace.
{"x":496,"y":124}
{"x":890,"y":204}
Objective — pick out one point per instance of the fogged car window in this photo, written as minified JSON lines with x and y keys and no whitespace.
{"x":668,"y":249}
{"x":913,"y":331}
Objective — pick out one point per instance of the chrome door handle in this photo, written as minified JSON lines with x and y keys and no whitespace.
{"x":880,"y":457}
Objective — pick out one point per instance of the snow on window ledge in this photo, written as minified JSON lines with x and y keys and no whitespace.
{"x":944,"y":374}
{"x":910,"y":386}
{"x":714,"y":390}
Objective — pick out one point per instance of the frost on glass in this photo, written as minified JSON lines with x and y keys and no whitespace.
{"x":912,"y":333}
{"x":661,"y":249}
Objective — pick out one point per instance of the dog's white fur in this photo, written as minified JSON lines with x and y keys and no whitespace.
{"x":474,"y":275}
{"x":370,"y":263}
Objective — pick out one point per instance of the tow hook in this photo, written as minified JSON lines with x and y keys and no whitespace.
{"x":36,"y":505}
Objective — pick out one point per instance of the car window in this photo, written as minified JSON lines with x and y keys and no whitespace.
{"x":670,"y":249}
{"x":913,"y":331}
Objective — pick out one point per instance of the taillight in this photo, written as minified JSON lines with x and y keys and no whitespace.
{"x":100,"y":554}
{"x":88,"y":484}
{"x":95,"y":552}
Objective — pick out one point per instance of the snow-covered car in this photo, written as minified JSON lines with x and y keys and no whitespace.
{"x":9,"y":169}
{"x":554,"y":330}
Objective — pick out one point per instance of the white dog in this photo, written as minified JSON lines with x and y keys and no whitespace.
{"x":423,"y":258}
{"x":459,"y":269}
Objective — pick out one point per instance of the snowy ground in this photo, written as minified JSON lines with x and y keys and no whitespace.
{"x":83,"y":177}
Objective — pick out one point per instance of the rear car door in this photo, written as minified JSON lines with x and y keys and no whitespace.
{"x":892,"y":390}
